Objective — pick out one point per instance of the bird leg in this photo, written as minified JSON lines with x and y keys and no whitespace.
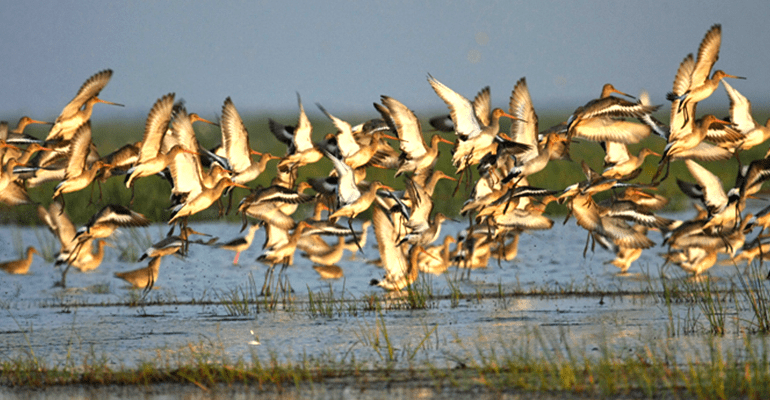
{"x":353,"y":232}
{"x":61,"y":196}
{"x":229,"y":204}
{"x":266,"y":285}
{"x":149,"y":286}
{"x":660,"y":168}
{"x":736,"y":154}
{"x":63,"y":282}
{"x":131,"y":201}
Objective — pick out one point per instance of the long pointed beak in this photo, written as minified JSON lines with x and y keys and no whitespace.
{"x":34,"y":121}
{"x":505,"y":114}
{"x":441,"y":139}
{"x":195,"y":117}
{"x":422,"y":250}
{"x":254,"y":152}
{"x":390,"y":137}
{"x":733,"y":76}
{"x":624,"y":94}
{"x":98,"y":100}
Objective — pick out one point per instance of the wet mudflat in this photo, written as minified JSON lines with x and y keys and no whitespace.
{"x":547,"y":300}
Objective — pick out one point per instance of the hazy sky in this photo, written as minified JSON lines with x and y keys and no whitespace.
{"x":345,"y":54}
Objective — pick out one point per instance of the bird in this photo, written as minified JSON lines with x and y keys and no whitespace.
{"x":601,"y":119}
{"x":620,"y":163}
{"x":415,"y":155}
{"x":240,"y":244}
{"x":166,"y":246}
{"x":474,"y":138}
{"x":142,"y":278}
{"x":701,"y":86}
{"x":21,"y":266}
{"x":399,"y":270}
{"x":101,"y":225}
{"x":78,"y":174}
{"x":151,"y":160}
{"x":742,"y":121}
{"x":86,"y":260}
{"x":79,"y":109}
{"x":235,"y":140}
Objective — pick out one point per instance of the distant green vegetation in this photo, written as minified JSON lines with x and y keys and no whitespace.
{"x":152,"y":193}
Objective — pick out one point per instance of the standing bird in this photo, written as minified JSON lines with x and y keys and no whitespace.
{"x":19,"y":267}
{"x":142,"y":278}
{"x":240,"y":244}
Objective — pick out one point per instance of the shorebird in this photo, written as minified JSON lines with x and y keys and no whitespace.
{"x":436,"y":259}
{"x":58,"y":222}
{"x":11,"y":192}
{"x":151,"y":160}
{"x":701,"y":86}
{"x":400,"y":271}
{"x":100,"y":226}
{"x":86,"y":260}
{"x":142,"y":278}
{"x":345,"y":141}
{"x":79,"y":109}
{"x":78,"y":174}
{"x":235,"y":140}
{"x":166,"y":246}
{"x":474,"y":139}
{"x":690,"y":145}
{"x":415,"y":155}
{"x":240,"y":244}
{"x":19,"y":267}
{"x":742,"y":121}
{"x":598,"y":120}
{"x":185,"y":170}
{"x":202,"y":201}
{"x":16,"y":136}
{"x":281,"y":254}
{"x":329,"y":256}
{"x":620,"y":163}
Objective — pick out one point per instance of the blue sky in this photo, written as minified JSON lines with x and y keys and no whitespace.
{"x":345,"y":54}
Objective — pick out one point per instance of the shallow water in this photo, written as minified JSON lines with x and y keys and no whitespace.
{"x":92,"y":318}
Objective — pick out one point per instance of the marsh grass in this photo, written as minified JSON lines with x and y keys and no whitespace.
{"x":711,"y":302}
{"x":240,"y":301}
{"x":536,"y":361}
{"x":756,"y":293}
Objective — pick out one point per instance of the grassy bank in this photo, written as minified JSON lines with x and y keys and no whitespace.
{"x":506,"y":366}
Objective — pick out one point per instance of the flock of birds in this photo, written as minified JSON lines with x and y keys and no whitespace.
{"x":501,"y":206}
